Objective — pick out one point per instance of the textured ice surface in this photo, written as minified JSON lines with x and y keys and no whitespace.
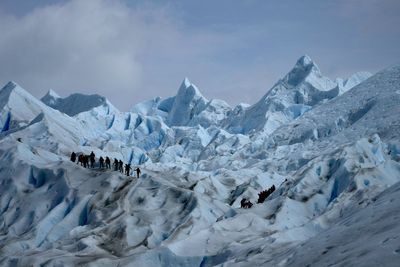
{"x":331,"y":150}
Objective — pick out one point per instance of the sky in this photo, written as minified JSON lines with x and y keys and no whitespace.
{"x":132,"y":51}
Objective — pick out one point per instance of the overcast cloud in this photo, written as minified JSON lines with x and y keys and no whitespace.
{"x":130,"y":51}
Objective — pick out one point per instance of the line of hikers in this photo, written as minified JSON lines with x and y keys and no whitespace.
{"x":262,"y":196}
{"x":118,"y":165}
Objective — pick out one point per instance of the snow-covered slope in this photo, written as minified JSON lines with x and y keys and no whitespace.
{"x":199,"y":161}
{"x":17,"y":106}
{"x":369,"y":108}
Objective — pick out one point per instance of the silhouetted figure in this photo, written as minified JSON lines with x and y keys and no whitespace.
{"x":92,"y":159}
{"x":115,"y":164}
{"x":73,"y":156}
{"x":101,"y":161}
{"x":245,"y":204}
{"x":121,"y":166}
{"x":80,"y":159}
{"x":137,"y":172}
{"x":127,"y":169}
{"x":86,"y":161}
{"x":108,"y":163}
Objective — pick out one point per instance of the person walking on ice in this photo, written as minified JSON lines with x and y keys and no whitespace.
{"x":108,"y":163}
{"x":127,"y":169}
{"x":73,"y":156}
{"x":101,"y":160}
{"x":92,"y":160}
{"x":115,"y":164}
{"x":121,"y":166}
{"x":137,"y":172}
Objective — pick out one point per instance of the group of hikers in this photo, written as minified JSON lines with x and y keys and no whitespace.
{"x":246,"y":204}
{"x":118,"y":165}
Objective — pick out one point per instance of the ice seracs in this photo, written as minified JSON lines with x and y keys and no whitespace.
{"x":353,"y":80}
{"x":306,"y":71}
{"x":330,"y":151}
{"x":18,"y":107}
{"x":77,"y":103}
{"x":297,"y":92}
{"x":187,"y":103}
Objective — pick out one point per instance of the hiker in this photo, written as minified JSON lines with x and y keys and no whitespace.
{"x":85,"y":161}
{"x":80,"y":159}
{"x":92,"y":159}
{"x":73,"y":156}
{"x":127,"y":169}
{"x":121,"y":166}
{"x":87,"y":157}
{"x":108,"y":163}
{"x":115,"y":164}
{"x":246,"y":204}
{"x":101,"y":160}
{"x":242,"y":202}
{"x":137,"y":172}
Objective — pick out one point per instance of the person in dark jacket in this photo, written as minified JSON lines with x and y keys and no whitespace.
{"x":121,"y":166}
{"x":101,"y":161}
{"x":245,"y":204}
{"x":127,"y":169}
{"x":73,"y":156}
{"x":115,"y":164}
{"x":108,"y":163}
{"x":92,"y":159}
{"x":81,"y":159}
{"x":86,"y":161}
{"x":137,"y":172}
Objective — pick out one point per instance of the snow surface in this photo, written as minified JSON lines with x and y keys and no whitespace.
{"x":331,"y":148}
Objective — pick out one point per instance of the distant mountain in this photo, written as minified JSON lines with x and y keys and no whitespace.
{"x":51,"y":98}
{"x":297,"y":92}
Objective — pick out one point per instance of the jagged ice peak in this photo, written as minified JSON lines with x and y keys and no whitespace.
{"x":51,"y":93}
{"x":188,"y":88}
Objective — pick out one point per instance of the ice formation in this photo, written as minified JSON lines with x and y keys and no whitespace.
{"x":331,"y":148}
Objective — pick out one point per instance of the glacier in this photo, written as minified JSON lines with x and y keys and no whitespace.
{"x":330,"y":147}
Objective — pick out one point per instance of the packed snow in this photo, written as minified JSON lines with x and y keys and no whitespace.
{"x":331,"y":149}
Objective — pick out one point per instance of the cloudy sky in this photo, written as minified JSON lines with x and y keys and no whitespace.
{"x":130,"y":51}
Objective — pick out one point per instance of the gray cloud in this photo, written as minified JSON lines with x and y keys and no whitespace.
{"x":104,"y":47}
{"x":89,"y":46}
{"x":132,"y":51}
